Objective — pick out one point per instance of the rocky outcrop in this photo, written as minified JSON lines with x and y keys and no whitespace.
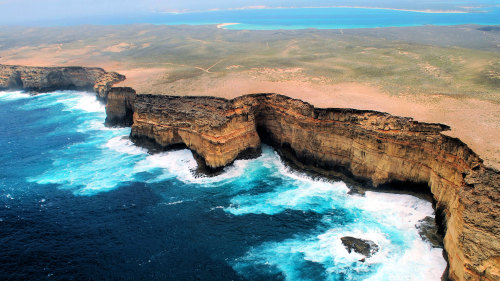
{"x":211,"y":127}
{"x":46,"y":79}
{"x":373,"y":147}
{"x":429,"y":231}
{"x":119,"y":106}
{"x":365,"y":247}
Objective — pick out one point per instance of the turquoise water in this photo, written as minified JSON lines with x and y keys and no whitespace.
{"x":336,"y":18}
{"x":297,"y":18}
{"x":80,"y":201}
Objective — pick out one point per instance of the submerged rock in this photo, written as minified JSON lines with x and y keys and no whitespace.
{"x":365,"y":247}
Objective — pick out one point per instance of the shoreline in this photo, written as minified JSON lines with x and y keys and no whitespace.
{"x":222,"y":25}
{"x":369,"y":146}
{"x":426,"y":11}
{"x":315,"y":225}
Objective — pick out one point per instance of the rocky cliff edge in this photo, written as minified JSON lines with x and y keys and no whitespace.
{"x":46,"y":79}
{"x":372,"y":147}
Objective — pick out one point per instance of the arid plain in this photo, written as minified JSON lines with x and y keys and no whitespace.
{"x":447,"y":75}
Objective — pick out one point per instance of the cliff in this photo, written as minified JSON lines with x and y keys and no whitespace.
{"x":211,"y":127}
{"x":372,"y":147}
{"x":120,"y":106}
{"x":46,"y":79}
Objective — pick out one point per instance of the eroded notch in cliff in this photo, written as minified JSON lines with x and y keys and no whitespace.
{"x":120,"y":106}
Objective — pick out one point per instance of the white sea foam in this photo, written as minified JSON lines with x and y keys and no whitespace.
{"x":400,"y":210}
{"x":123,"y":144}
{"x":316,"y":196}
{"x":419,"y":262}
{"x":386,"y":219}
{"x":172,"y":203}
{"x":89,"y":103}
{"x":181,"y":164}
{"x":92,"y":125}
{"x":70,"y":100}
{"x":296,"y":192}
{"x":88,"y":170}
{"x":13,"y":95}
{"x":103,"y":161}
{"x":83,"y":101}
{"x":414,"y":261}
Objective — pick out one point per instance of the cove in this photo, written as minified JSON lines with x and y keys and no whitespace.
{"x":89,"y":204}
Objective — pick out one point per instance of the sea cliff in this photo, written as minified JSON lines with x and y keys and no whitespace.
{"x":374,"y":148}
{"x":120,"y":106}
{"x":46,"y":79}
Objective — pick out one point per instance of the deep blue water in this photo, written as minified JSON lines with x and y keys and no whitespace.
{"x":294,"y":18}
{"x":79,"y":201}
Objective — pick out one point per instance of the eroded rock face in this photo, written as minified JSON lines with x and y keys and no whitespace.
{"x":46,"y":79}
{"x":429,"y":231}
{"x":212,"y":127}
{"x":373,"y":147}
{"x":119,"y":106}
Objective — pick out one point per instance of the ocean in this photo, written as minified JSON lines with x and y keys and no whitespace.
{"x":293,"y":18}
{"x":79,"y":201}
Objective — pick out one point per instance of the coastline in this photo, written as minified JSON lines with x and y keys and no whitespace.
{"x":360,"y":144}
{"x":220,"y":194}
{"x":406,"y":10}
{"x":381,"y":108}
{"x":222,"y":25}
{"x":427,"y":11}
{"x":412,"y":152}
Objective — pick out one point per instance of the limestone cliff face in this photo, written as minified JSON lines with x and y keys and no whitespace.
{"x":373,"y":147}
{"x":119,"y":106}
{"x":211,"y":127}
{"x":46,"y":79}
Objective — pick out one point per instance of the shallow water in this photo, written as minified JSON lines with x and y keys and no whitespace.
{"x":297,"y":18}
{"x":332,"y":18}
{"x":80,"y":201}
